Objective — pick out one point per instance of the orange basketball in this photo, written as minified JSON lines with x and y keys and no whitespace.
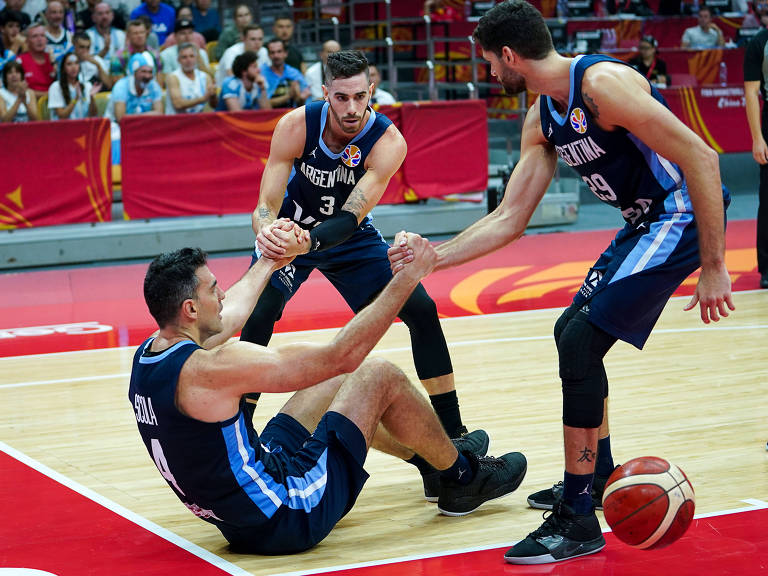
{"x":648,"y":502}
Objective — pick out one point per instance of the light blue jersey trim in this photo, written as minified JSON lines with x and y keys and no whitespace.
{"x":554,"y":113}
{"x":363,"y":132}
{"x":654,"y":248}
{"x":160,"y":357}
{"x":666,"y":173}
{"x":306,"y":492}
{"x":249,"y":473}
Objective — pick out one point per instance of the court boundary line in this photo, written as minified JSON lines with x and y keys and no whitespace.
{"x":131,"y":516}
{"x":756,"y":504}
{"x":376,"y":352}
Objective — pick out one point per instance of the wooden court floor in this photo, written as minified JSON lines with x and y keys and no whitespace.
{"x":697,"y":395}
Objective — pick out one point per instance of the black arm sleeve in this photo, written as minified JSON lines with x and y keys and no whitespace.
{"x":333,"y":231}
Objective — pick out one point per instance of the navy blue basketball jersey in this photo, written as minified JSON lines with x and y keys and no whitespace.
{"x":322,"y":180}
{"x":618,"y":168}
{"x":218,"y":470}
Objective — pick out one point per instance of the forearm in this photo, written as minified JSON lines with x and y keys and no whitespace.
{"x":333,"y":231}
{"x":753,"y":114}
{"x":353,"y":343}
{"x":704,"y":188}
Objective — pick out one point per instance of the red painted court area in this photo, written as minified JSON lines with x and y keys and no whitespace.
{"x":94,"y":540}
{"x":100,"y":307}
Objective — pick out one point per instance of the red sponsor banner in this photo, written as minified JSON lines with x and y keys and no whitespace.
{"x":55,"y":173}
{"x":193,"y":164}
{"x":212,"y":163}
{"x":716,"y":113}
{"x":447,"y":147}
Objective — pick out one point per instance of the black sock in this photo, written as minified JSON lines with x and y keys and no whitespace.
{"x":604,"y":465}
{"x":446,"y":407}
{"x":461,"y":471}
{"x":422,"y":465}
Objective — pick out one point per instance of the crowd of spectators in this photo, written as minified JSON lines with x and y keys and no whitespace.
{"x":150,"y":57}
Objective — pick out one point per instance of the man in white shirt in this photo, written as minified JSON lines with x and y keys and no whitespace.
{"x":92,"y":67}
{"x":188,"y":89}
{"x":106,"y":41}
{"x":316,"y":71}
{"x":183,"y":30}
{"x":253,"y":41}
{"x":705,"y":35}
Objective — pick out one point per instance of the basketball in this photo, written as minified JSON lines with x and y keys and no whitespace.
{"x":648,"y":502}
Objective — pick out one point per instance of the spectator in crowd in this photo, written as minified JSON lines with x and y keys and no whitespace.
{"x":649,"y":64}
{"x":188,"y":89}
{"x":185,"y":13}
{"x":85,"y":18}
{"x":69,"y":19}
{"x":315,"y":75}
{"x":183,"y":30}
{"x":756,"y":15}
{"x":69,"y":97}
{"x":39,"y":73}
{"x":439,"y":11}
{"x":379,"y":95}
{"x":206,"y":20}
{"x":152,"y":40}
{"x":253,"y":41}
{"x":18,"y":103}
{"x":286,"y":86}
{"x":16,"y":6}
{"x":233,"y":34}
{"x":93,"y":68}
{"x":705,"y":34}
{"x":283,"y":30}
{"x":106,"y":39}
{"x":138,"y":92}
{"x":247,"y":89}
{"x":161,"y":14}
{"x":59,"y":38}
{"x":12,"y":41}
{"x":135,"y":43}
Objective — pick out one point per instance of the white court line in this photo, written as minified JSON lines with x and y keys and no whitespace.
{"x":452,"y":344}
{"x":755,"y":505}
{"x":183,"y":543}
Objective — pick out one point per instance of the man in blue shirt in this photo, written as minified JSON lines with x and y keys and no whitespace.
{"x":162,"y":15}
{"x":138,"y":92}
{"x":206,"y":20}
{"x":287,"y":87}
{"x":246,"y":90}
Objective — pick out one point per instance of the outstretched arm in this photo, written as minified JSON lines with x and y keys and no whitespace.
{"x":527,"y":185}
{"x":287,"y":144}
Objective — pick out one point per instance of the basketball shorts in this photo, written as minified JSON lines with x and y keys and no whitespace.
{"x":334,"y":456}
{"x":358,"y":268}
{"x":626,"y":290}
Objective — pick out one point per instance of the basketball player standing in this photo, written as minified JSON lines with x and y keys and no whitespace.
{"x":605,"y":120}
{"x":329,"y":164}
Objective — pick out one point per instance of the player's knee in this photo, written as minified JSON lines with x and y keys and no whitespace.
{"x":381,"y":374}
{"x":419,"y":310}
{"x":260,"y":324}
{"x":574,"y":347}
{"x":562,"y":322}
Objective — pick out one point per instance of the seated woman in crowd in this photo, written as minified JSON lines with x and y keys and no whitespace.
{"x":649,"y":64}
{"x":17,"y":101}
{"x":68,"y":97}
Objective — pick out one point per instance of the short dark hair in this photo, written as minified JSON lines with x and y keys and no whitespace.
{"x":345,"y":64}
{"x":170,"y":280}
{"x":518,"y":25}
{"x":284,"y":16}
{"x":12,"y":65}
{"x":243,"y":62}
{"x":251,"y":27}
{"x":81,"y":36}
{"x":9,"y":15}
{"x":274,"y":40}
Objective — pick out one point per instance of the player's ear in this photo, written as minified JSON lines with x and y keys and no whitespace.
{"x":508,"y":56}
{"x":189,"y":308}
{"x":325,"y":92}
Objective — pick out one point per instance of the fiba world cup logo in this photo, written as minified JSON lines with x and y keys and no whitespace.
{"x":578,"y":120}
{"x":351,"y":155}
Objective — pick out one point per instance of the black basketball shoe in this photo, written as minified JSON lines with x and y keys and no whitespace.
{"x":476,"y":442}
{"x":563,"y":535}
{"x":545,"y":499}
{"x":493,"y":478}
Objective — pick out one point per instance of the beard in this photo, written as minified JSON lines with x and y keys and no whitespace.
{"x":512,"y":82}
{"x":348,"y":128}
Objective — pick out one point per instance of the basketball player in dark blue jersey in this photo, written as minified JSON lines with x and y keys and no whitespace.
{"x":329,"y":164}
{"x":284,"y":491}
{"x":604,"y":119}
